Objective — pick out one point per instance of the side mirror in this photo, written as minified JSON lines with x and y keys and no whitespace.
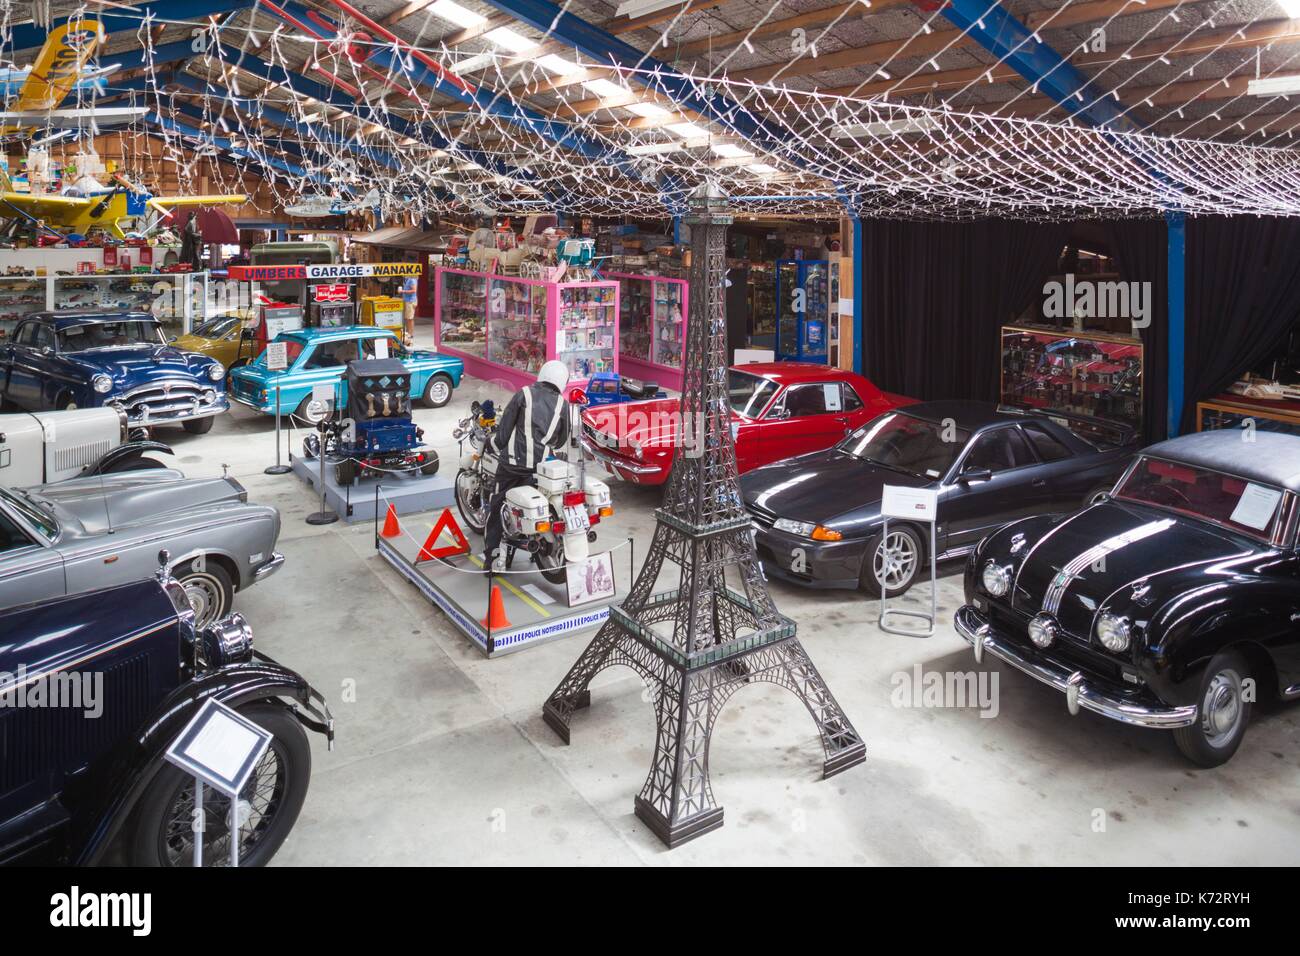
{"x":971,"y":475}
{"x":780,"y":414}
{"x":46,"y":350}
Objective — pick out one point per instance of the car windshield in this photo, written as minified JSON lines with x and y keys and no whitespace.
{"x":217,"y":328}
{"x":109,"y":335}
{"x":913,"y":445}
{"x":1235,"y":503}
{"x":749,"y":394}
{"x":35,"y":514}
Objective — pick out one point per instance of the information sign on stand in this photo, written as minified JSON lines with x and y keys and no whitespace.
{"x":277,"y":356}
{"x":220,"y":748}
{"x":915,"y":505}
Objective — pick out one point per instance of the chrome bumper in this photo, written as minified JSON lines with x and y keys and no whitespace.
{"x":1079,"y":693}
{"x":174,"y":415}
{"x":273,"y":564}
{"x":612,"y":461}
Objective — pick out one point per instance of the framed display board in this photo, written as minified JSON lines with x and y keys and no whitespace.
{"x":1085,"y":373}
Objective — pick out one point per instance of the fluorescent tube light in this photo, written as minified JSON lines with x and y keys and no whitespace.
{"x":1290,"y":7}
{"x":1274,"y":86}
{"x":637,"y":8}
{"x":648,"y":110}
{"x":688,"y":130}
{"x":762,"y":168}
{"x":728,"y":151}
{"x":558,"y":64}
{"x":652,"y":149}
{"x":453,"y":12}
{"x":510,"y":40}
{"x":887,"y":128}
{"x":604,"y":88}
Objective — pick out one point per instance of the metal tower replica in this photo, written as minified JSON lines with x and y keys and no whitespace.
{"x":701,"y":641}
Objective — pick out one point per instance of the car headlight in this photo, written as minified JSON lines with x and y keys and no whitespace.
{"x":636,"y":447}
{"x":1042,"y":631}
{"x":102,"y":383}
{"x":216,"y":371}
{"x":209,"y":396}
{"x":996,"y":579}
{"x":1114,"y":632}
{"x":802,"y":528}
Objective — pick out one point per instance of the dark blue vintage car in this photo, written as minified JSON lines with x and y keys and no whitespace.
{"x":58,"y":360}
{"x":93,"y":689}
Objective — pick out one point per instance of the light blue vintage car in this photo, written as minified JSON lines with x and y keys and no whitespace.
{"x":321,"y":356}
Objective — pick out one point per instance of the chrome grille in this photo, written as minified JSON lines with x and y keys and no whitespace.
{"x":164,"y":399}
{"x":761,"y":516}
{"x":603,"y":439}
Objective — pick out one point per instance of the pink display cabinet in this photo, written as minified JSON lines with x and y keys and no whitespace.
{"x":504,"y":327}
{"x":652,"y":315}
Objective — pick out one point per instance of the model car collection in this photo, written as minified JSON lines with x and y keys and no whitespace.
{"x":1156,"y":587}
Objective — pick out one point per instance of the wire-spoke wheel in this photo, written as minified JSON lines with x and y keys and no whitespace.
{"x":1222,"y":714}
{"x":891,"y":562}
{"x":166,"y":823}
{"x":473,"y":495}
{"x":551,"y":561}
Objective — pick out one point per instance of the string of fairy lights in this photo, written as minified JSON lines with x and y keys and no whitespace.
{"x":380,"y":136}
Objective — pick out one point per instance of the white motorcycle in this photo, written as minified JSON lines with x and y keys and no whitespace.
{"x":552,"y":518}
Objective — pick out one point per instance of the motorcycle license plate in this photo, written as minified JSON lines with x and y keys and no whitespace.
{"x":575,"y":518}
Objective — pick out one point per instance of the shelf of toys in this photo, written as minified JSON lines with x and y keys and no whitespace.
{"x":176,"y":298}
{"x":505,"y":327}
{"x":652,"y":327}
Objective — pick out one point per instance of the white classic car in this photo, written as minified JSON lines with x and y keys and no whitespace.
{"x":37,"y":448}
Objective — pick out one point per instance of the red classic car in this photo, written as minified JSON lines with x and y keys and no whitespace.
{"x":778,"y":410}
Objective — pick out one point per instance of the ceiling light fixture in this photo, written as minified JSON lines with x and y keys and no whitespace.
{"x":637,"y":8}
{"x":648,"y":110}
{"x":558,"y":64}
{"x":510,"y":40}
{"x":603,"y":88}
{"x":453,"y":12}
{"x":1290,"y":7}
{"x":728,"y":151}
{"x":687,"y":130}
{"x":1274,"y":86}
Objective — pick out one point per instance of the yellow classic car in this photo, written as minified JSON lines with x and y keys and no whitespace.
{"x":225,"y":338}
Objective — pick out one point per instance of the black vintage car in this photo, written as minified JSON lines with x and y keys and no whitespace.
{"x":1171,"y":604}
{"x":93,"y":689}
{"x":817,"y":517}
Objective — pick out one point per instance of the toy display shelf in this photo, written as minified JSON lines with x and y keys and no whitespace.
{"x":652,"y":327}
{"x":20,"y":296}
{"x":177,"y":298}
{"x":504,"y":328}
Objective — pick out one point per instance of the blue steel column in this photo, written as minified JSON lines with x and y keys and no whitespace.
{"x":859,"y":323}
{"x":1175,"y":223}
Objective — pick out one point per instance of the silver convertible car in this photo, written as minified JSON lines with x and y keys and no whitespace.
{"x":89,"y":533}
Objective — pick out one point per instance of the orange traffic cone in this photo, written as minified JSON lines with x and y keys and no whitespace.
{"x":496,"y":616}
{"x":391,"y":528}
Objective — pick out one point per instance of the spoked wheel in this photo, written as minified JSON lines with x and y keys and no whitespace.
{"x":894,"y":560}
{"x":1223,"y":714}
{"x":551,"y":562}
{"x":472,"y":499}
{"x":165,"y":823}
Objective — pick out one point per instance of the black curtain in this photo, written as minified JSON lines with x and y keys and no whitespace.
{"x":1243,"y":297}
{"x":935,"y":294}
{"x":1140,"y":248}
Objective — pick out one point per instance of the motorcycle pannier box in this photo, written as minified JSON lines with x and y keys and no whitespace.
{"x":378,"y":388}
{"x":552,"y":476}
{"x":524,"y":507}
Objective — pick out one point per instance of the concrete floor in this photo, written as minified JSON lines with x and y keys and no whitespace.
{"x":442,"y":756}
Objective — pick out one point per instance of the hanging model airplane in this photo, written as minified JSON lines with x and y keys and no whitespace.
{"x":62,"y":65}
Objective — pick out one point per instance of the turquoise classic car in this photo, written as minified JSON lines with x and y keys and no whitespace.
{"x":321,"y":356}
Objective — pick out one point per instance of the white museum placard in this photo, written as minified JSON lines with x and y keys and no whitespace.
{"x":381,"y":347}
{"x":750,"y":356}
{"x":1256,"y":506}
{"x":591,"y":580}
{"x":277,"y":356}
{"x":921,"y":504}
{"x":220,"y":747}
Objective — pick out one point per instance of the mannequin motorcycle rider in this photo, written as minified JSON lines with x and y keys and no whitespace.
{"x":534,"y":424}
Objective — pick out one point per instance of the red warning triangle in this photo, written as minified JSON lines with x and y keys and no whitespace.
{"x":448,"y":523}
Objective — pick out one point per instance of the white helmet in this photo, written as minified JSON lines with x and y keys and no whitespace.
{"x":554,"y":373}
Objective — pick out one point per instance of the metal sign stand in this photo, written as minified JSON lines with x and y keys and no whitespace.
{"x":916,"y":505}
{"x":278,"y":468}
{"x":324,"y":515}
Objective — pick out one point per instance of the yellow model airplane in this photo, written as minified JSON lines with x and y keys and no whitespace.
{"x":60,"y":66}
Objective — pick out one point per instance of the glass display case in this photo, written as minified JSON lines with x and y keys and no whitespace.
{"x":762,"y":281}
{"x":803,"y":309}
{"x":652,"y":327}
{"x":19,"y":297}
{"x":178,"y":299}
{"x":1087,"y":373}
{"x":1240,"y":411}
{"x":504,"y":327}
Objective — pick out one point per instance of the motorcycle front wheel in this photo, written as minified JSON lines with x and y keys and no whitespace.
{"x":472,"y":500}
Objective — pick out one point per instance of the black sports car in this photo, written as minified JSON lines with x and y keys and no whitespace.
{"x":1171,"y":604}
{"x":817,"y":517}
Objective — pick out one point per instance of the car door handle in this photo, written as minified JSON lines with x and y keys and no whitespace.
{"x":1038,"y":483}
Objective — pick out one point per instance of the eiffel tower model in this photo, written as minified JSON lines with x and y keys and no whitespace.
{"x":698,"y":643}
